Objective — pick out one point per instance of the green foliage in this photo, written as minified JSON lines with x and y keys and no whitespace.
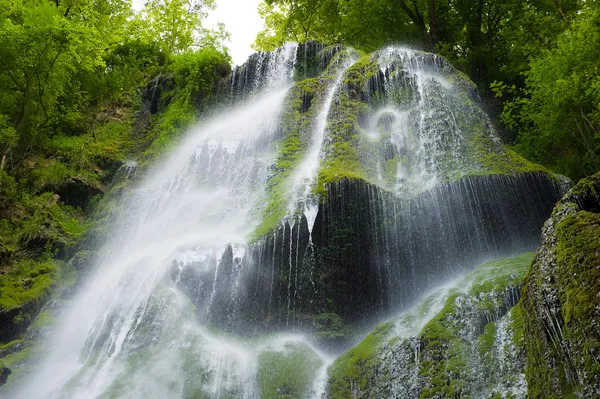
{"x":38,"y":220}
{"x":363,"y":24}
{"x":169,"y":127}
{"x":72,"y":112}
{"x":557,"y":115}
{"x":172,"y":23}
{"x":197,"y":73}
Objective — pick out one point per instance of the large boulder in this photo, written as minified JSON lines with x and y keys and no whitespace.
{"x":561,"y":299}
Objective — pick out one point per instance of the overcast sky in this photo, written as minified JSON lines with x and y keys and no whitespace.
{"x":241,"y":19}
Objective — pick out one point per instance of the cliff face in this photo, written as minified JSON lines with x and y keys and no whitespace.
{"x":561,"y":299}
{"x":369,"y":253}
{"x":484,"y":336}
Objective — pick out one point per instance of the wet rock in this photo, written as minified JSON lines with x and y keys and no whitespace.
{"x":560,"y":298}
{"x":4,"y":374}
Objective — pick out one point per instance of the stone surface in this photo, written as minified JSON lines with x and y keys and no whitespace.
{"x":561,"y":299}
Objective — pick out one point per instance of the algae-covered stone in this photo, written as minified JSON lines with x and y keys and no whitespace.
{"x":461,"y":341}
{"x":287,"y":372}
{"x":22,"y":292}
{"x":561,"y":302}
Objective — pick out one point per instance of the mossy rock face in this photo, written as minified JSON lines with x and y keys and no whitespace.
{"x":464,"y":340}
{"x":561,"y":301}
{"x":22,"y":293}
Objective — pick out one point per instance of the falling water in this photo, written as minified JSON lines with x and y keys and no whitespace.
{"x":191,"y":208}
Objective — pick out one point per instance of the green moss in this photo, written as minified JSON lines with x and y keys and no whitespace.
{"x":588,"y":187}
{"x":28,"y":282}
{"x":445,"y":368}
{"x":290,"y":153}
{"x":488,"y":338}
{"x":342,"y":159}
{"x":353,"y":369}
{"x":491,"y":157}
{"x":517,"y":327}
{"x":447,"y":354}
{"x":391,"y":170}
{"x":312,"y":86}
{"x":288,"y":373}
{"x":336,"y":170}
{"x":19,"y":362}
{"x":565,"y":363}
{"x":330,"y":327}
{"x":10,"y":344}
{"x":43,"y":319}
{"x":361,"y":71}
{"x":168,"y":128}
{"x":499,"y":274}
{"x":447,"y":361}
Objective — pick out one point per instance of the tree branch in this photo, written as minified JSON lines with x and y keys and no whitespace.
{"x":561,"y":11}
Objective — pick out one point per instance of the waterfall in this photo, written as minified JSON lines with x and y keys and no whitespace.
{"x":335,"y":191}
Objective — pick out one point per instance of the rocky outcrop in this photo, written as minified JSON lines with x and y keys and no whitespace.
{"x":561,"y":299}
{"x":305,"y":60}
{"x":4,"y":374}
{"x":461,"y":341}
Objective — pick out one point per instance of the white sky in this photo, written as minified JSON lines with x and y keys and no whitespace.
{"x":241,"y":19}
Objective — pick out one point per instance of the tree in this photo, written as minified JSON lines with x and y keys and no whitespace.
{"x":557,"y":114}
{"x":487,"y":39}
{"x":42,"y":46}
{"x":176,"y":25}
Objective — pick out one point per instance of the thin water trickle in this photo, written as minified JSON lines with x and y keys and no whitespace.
{"x":304,"y":178}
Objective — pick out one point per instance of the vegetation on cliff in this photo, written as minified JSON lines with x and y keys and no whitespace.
{"x":83,"y":88}
{"x":86,"y":86}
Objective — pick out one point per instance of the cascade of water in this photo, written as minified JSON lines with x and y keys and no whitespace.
{"x":189,"y":209}
{"x":264,"y":70}
{"x":426,"y":112}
